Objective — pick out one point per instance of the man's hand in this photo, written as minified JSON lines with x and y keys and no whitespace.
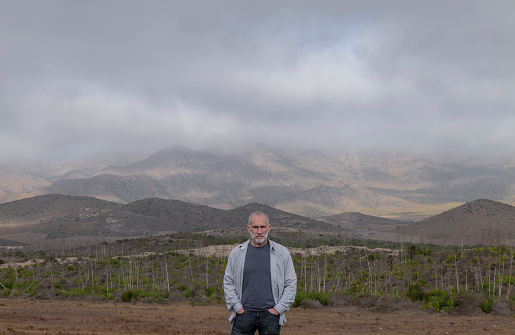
{"x":240,"y":311}
{"x":273,"y":311}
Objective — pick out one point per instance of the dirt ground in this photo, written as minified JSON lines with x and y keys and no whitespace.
{"x":78,"y":317}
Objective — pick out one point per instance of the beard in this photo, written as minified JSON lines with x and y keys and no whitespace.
{"x":259,"y":239}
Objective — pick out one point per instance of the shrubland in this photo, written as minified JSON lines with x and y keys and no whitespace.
{"x":380,"y":276}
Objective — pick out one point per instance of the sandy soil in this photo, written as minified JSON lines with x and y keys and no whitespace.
{"x":70,"y":317}
{"x":224,"y":250}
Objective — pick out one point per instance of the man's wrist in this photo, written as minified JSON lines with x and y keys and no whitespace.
{"x":237,"y":306}
{"x":279,"y":309}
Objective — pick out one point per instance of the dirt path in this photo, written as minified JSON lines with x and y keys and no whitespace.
{"x":70,"y":317}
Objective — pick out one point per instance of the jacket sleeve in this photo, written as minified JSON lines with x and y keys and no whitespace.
{"x":290,"y":285}
{"x":231,"y":295}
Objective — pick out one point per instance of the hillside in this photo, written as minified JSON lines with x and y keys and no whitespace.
{"x":480,"y":221}
{"x":52,"y":207}
{"x":70,"y":218}
{"x":51,"y":217}
{"x":306,"y":182}
{"x":363,"y":225}
{"x":9,"y":243}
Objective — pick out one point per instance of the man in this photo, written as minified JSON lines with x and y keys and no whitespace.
{"x":260,"y":281}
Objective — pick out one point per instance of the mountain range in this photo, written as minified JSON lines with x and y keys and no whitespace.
{"x":305,"y":182}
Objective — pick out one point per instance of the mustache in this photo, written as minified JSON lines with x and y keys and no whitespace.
{"x":257,"y":236}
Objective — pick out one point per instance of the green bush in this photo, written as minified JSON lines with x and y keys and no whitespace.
{"x":486,"y":305}
{"x":415,"y":293}
{"x":322,"y":297}
{"x":508,"y":280}
{"x":210,"y":292}
{"x":127,"y":296}
{"x":298,"y":298}
{"x":440,"y":301}
{"x":483,"y":287}
{"x":63,"y":293}
{"x":189,"y":293}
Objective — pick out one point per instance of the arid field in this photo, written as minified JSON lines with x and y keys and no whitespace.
{"x":23,"y":316}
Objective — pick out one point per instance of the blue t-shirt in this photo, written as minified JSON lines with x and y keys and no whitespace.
{"x":257,"y":282}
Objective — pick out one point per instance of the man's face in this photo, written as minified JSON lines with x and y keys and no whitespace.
{"x":258,"y":230}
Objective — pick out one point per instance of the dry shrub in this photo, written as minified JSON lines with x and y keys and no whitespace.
{"x":340,"y":300}
{"x":388,"y":303}
{"x":376,"y":303}
{"x":44,"y":295}
{"x":502,"y":307}
{"x":311,"y":304}
{"x":467,"y":304}
{"x":148,"y":300}
{"x":365,"y":300}
{"x":175,"y":297}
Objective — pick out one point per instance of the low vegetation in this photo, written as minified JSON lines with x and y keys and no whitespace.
{"x":166,"y":270}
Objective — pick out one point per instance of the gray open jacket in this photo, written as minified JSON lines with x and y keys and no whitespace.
{"x":284,"y":279}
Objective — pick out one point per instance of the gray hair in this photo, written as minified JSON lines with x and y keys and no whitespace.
{"x":259,"y":213}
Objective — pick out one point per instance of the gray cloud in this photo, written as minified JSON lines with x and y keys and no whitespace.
{"x":87,"y":77}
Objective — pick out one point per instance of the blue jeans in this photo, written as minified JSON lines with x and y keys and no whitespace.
{"x":248,"y":322}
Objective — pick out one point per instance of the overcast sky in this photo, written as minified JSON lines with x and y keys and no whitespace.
{"x":84,"y":77}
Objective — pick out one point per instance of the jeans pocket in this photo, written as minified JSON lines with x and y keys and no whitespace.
{"x":270,"y":323}
{"x":244,"y":323}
